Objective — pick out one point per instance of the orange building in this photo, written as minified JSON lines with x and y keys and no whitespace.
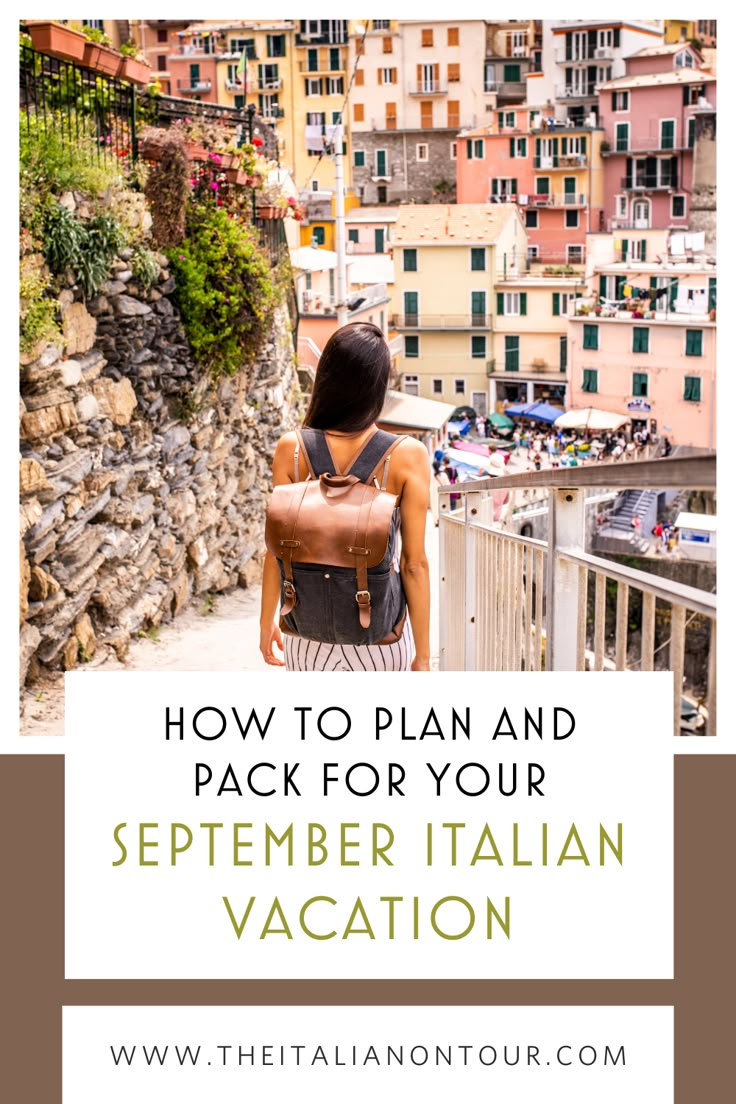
{"x":554,"y":174}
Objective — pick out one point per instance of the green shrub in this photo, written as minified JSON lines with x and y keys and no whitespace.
{"x":88,"y":248}
{"x":50,"y":166}
{"x":144,"y":266}
{"x":225,"y":290}
{"x":37,"y":312}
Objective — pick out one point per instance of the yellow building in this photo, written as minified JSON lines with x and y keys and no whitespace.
{"x":679,"y":30}
{"x":447,"y":260}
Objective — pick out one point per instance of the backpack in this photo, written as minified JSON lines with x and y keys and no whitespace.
{"x":335,"y":537}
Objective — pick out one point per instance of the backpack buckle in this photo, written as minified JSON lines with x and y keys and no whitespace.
{"x":289,"y":589}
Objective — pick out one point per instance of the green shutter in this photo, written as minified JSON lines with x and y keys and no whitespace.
{"x":556,"y":300}
{"x":693,"y":342}
{"x":522,"y":145}
{"x":563,"y":354}
{"x":643,"y":250}
{"x":673,"y":292}
{"x":624,"y":249}
{"x":601,"y":291}
{"x":470,"y":149}
{"x":619,"y":292}
{"x":564,"y":147}
{"x":499,"y":302}
{"x":590,"y":379}
{"x":711,"y":293}
{"x":692,"y":388}
{"x":514,"y":186}
{"x":590,"y":336}
{"x":512,"y":150}
{"x":522,"y":303}
{"x":667,"y":129}
{"x":641,"y":339}
{"x":584,"y":145}
{"x":555,"y":148}
{"x":494,"y":187}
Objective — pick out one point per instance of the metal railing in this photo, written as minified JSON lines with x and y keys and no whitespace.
{"x":74,"y":105}
{"x":428,"y":88}
{"x":575,"y":92}
{"x":648,"y":183}
{"x":558,"y":199}
{"x":442,"y":321}
{"x":188,"y":84}
{"x":512,"y":603}
{"x":506,"y":88}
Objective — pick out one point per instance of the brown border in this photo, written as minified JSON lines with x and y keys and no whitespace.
{"x":32,"y":934}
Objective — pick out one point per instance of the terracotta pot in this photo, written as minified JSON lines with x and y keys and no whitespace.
{"x":196,"y":152}
{"x":137,"y":72}
{"x":53,"y":38}
{"x":271,"y":212}
{"x":101,"y":58}
{"x":237,"y":176}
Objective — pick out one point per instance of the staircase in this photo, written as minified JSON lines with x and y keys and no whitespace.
{"x":642,"y":503}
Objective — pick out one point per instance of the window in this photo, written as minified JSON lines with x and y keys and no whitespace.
{"x":390,"y":116}
{"x":666,"y":134}
{"x":562,"y":301}
{"x":335,"y":62}
{"x":453,"y":36}
{"x":512,"y":75}
{"x":313,"y":86}
{"x":453,"y":151}
{"x":335,"y":86}
{"x":411,"y":345}
{"x":478,"y":346}
{"x":693,"y":342}
{"x":692,"y":389}
{"x":410,"y":385}
{"x":359,"y":159}
{"x":684,"y":60}
{"x":640,"y":340}
{"x":437,"y":386}
{"x":571,"y":220}
{"x":380,"y":163}
{"x":575,"y":254}
{"x":621,"y":206}
{"x":478,"y":259}
{"x":590,"y":336}
{"x":476,"y":149}
{"x":318,"y":235}
{"x":411,"y":308}
{"x":517,"y":147}
{"x":459,"y":386}
{"x":506,"y":119}
{"x":276,"y":45}
{"x":353,"y":235}
{"x":427,"y":36}
{"x":542,"y":186}
{"x":410,"y":260}
{"x":620,"y":101}
{"x":532,"y":252}
{"x":691,"y":132}
{"x":489,"y":77}
{"x":453,"y":113}
{"x":161,"y":35}
{"x":622,"y":137}
{"x":640,"y":385}
{"x":453,"y":71}
{"x":532,"y":220}
{"x":635,"y":250}
{"x":677,"y":206}
{"x":268,"y":105}
{"x":388,"y":46}
{"x":590,"y":379}
{"x":425,"y":114}
{"x":358,"y":113}
{"x":511,"y":353}
{"x":478,"y":308}
{"x":381,"y":24}
{"x":422,"y":151}
{"x":511,"y":302}
{"x":161,"y":62}
{"x":359,"y":78}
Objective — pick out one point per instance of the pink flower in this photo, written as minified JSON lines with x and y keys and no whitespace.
{"x":182,"y":257}
{"x":214,"y":186}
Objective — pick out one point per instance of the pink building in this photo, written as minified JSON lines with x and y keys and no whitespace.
{"x":552,"y":172}
{"x":649,"y":135}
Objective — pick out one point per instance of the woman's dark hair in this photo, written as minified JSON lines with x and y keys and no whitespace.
{"x":352,"y":379}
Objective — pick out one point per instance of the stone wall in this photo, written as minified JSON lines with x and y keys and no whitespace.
{"x":410,"y":180}
{"x":142,"y":484}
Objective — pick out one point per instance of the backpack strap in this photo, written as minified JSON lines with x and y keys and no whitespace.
{"x":317,"y":454}
{"x":374,"y":453}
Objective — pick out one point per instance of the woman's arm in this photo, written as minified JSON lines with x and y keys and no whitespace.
{"x":414,"y":563}
{"x":283,"y":462}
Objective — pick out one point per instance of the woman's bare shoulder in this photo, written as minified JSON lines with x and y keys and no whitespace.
{"x":412,"y":454}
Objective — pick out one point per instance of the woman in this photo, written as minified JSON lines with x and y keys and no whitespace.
{"x":347,"y":398}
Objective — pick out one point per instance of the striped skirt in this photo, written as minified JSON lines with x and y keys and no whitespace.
{"x":301,"y":654}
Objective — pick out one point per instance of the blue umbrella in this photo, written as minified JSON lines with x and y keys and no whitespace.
{"x":540,"y":411}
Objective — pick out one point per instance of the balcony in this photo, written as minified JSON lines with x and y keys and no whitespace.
{"x":506,"y":88}
{"x":648,"y":184}
{"x":234,"y":85}
{"x":585,"y":56}
{"x":442,"y":321}
{"x":641,"y":146}
{"x":323,"y":65}
{"x":270,"y":84}
{"x":558,"y":199}
{"x":512,"y":603}
{"x":568,"y":161}
{"x":190,"y":87}
{"x":428,"y":88}
{"x":576,"y":92}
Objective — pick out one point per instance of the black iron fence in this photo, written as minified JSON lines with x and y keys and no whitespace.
{"x":76,"y":104}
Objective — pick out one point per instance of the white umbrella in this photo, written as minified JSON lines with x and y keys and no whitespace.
{"x":589,"y":417}
{"x":310,"y":258}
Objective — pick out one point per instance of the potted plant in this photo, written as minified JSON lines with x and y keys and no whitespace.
{"x":50,"y":37}
{"x":271,"y":202}
{"x":133,"y":67}
{"x":98,"y":53}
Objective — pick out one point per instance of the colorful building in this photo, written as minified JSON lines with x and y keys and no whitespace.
{"x":158,"y":39}
{"x":643,"y":344}
{"x":417,"y":84}
{"x":554,"y":174}
{"x":580,"y":54}
{"x":648,"y":117}
{"x":447,"y":260}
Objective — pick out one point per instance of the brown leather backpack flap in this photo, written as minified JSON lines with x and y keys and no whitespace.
{"x":315,"y":526}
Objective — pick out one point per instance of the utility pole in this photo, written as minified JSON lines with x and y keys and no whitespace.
{"x":341,"y":305}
